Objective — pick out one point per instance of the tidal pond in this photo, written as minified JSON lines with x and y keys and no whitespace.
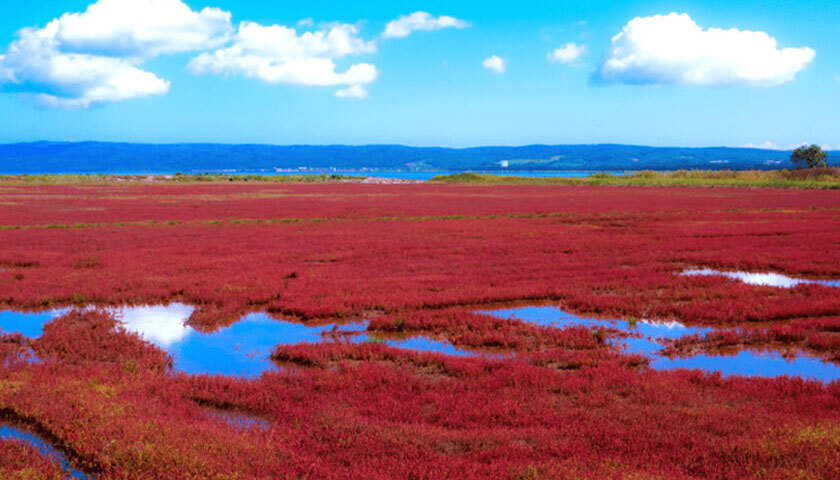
{"x":28,"y":324}
{"x":647,"y":337}
{"x":762,"y":279}
{"x":242,"y":349}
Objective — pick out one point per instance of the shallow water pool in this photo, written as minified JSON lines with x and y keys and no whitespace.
{"x":762,"y":279}
{"x":649,"y":335}
{"x":242,"y":349}
{"x":28,"y":324}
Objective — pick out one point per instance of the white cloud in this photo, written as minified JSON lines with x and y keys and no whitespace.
{"x":420,"y":21}
{"x":36,"y":68}
{"x":308,"y":22}
{"x":278,"y":54}
{"x":93,"y":57}
{"x":674,"y":50}
{"x":763,"y":146}
{"x":568,"y":53}
{"x":353,"y":91}
{"x":142,"y":28}
{"x":495,"y":64}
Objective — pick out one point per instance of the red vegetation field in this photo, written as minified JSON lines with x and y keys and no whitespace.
{"x":18,"y":461}
{"x":417,"y":259}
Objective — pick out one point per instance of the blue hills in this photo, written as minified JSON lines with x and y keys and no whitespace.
{"x":105,"y":157}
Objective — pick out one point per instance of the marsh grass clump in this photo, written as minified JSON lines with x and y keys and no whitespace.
{"x":87,"y":262}
{"x":96,"y":337}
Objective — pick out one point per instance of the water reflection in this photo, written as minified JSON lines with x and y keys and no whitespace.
{"x":242,"y":349}
{"x":28,"y":324}
{"x":10,"y":433}
{"x":162,"y":325}
{"x":751,"y":364}
{"x":762,"y":279}
{"x":647,"y":341}
{"x":556,"y":317}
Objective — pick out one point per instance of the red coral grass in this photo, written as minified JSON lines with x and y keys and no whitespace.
{"x":415,"y":259}
{"x":95,"y":336}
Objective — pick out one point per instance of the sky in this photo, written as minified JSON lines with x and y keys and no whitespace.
{"x":425,"y":73}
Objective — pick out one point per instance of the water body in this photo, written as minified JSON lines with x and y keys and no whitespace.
{"x":242,"y":349}
{"x":762,"y":279}
{"x":28,"y":324}
{"x":744,"y":363}
{"x":395,"y":174}
{"x":44,"y":448}
{"x":557,"y":317}
{"x":424,"y":176}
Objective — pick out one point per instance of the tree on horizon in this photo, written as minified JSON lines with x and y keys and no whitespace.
{"x":812,"y":156}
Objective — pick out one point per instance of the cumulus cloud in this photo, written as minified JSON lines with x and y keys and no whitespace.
{"x":93,"y":57}
{"x":277,"y":54}
{"x":674,"y":50}
{"x":353,"y":91}
{"x":495,"y":64}
{"x":568,"y":53}
{"x":142,"y":28}
{"x":34,"y":66}
{"x":420,"y":21}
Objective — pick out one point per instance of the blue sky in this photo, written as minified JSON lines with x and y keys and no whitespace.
{"x":228,"y":83}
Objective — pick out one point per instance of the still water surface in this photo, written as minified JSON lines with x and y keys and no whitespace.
{"x":649,"y":335}
{"x":762,"y":279}
{"x":243,"y":349}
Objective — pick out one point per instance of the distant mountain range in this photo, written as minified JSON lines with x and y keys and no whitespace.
{"x":101,"y":157}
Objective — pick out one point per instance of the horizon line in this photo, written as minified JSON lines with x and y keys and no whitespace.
{"x":398,"y":145}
